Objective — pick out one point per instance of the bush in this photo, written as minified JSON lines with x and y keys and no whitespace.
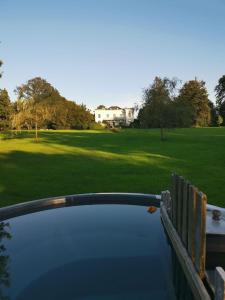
{"x":6,"y":135}
{"x":115,"y":130}
{"x":13,"y":134}
{"x":219,"y":120}
{"x":96,"y":126}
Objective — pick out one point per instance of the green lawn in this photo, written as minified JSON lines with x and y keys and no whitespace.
{"x":70,"y":162}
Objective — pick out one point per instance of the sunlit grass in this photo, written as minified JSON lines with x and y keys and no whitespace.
{"x":69,"y":162}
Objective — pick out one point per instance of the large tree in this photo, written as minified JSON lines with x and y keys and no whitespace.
{"x":5,"y":110}
{"x":194,"y":96}
{"x":40,"y":105}
{"x":78,"y":116}
{"x":220,"y":97}
{"x":34,"y":95}
{"x":37,"y":89}
{"x":183,"y":114}
{"x":157,"y":110}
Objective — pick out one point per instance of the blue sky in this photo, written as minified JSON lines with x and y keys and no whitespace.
{"x":107,"y":51}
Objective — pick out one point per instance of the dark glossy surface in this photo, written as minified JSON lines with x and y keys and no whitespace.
{"x":87,"y":252}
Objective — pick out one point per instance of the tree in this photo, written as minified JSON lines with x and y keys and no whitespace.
{"x":22,"y":115}
{"x":37,"y":89}
{"x":79,"y":117}
{"x":219,"y":120}
{"x":34,"y":94}
{"x":5,"y":110}
{"x":213,"y":113}
{"x":40,"y":105}
{"x":157,"y":110}
{"x":183,"y":114}
{"x":194,"y":95}
{"x":220,"y":97}
{"x":101,"y":107}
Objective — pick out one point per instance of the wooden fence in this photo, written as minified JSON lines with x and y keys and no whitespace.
{"x":183,"y":212}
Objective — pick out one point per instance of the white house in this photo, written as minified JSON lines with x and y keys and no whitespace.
{"x":114,"y":115}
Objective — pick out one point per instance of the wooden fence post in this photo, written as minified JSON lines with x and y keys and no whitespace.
{"x":191,"y":221}
{"x":184,"y":233}
{"x":174,"y":189}
{"x":180,"y":204}
{"x":200,"y":234}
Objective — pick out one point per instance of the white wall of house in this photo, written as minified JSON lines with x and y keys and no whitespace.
{"x":125,"y":115}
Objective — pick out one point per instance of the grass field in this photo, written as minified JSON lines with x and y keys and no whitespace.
{"x":70,"y":162}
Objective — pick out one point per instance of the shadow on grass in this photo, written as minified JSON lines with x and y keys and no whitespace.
{"x":27,"y":176}
{"x":69,"y":162}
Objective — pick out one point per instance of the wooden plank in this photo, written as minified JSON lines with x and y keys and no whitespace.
{"x":180,"y":204}
{"x":191,"y":221}
{"x":219,"y":284}
{"x":169,"y":203}
{"x":198,"y":289}
{"x":184,"y":233}
{"x":163,"y":198}
{"x":200,"y":234}
{"x":166,"y":199}
{"x":172,"y":192}
{"x":174,"y":199}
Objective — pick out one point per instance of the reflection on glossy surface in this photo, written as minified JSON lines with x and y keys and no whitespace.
{"x":89,"y":252}
{"x":4,"y":260}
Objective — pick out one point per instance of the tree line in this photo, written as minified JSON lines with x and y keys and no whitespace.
{"x":40,"y":105}
{"x":167,"y":106}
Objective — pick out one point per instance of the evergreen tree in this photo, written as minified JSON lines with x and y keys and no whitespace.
{"x":194,"y":95}
{"x":213,"y":113}
{"x":183,"y":114}
{"x":5,"y":110}
{"x":220,"y":97}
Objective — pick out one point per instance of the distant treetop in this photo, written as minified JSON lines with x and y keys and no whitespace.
{"x":114,"y":107}
{"x":111,"y":107}
{"x":37,"y":89}
{"x":101,"y":107}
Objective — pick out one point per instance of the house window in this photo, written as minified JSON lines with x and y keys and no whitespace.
{"x":129,"y":114}
{"x":99,"y":116}
{"x":107,"y":115}
{"x":114,"y":115}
